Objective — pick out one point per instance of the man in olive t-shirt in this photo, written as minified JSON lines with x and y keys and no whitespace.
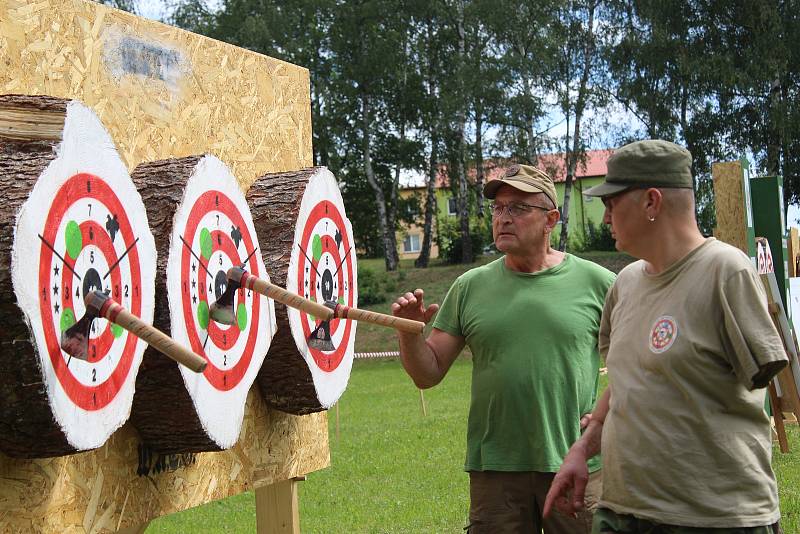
{"x":531,"y":320}
{"x":690,"y":345}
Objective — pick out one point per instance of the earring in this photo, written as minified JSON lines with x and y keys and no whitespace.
{"x":651,"y":219}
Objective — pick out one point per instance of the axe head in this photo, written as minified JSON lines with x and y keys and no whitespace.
{"x":222,"y":309}
{"x":75,"y":339}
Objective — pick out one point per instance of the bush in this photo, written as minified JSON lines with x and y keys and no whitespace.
{"x":598,"y":237}
{"x":375,"y":288}
{"x":448,"y":238}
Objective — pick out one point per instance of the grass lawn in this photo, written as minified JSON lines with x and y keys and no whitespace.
{"x":395,"y":471}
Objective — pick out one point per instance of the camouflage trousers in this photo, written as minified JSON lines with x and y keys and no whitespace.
{"x":608,"y":522}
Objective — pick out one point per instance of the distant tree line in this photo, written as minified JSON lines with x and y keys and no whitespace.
{"x":424,"y":85}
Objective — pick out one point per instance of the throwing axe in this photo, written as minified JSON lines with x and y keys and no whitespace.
{"x":75,"y":339}
{"x":222,"y":310}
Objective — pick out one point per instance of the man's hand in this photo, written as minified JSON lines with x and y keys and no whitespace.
{"x":569,"y":485}
{"x":411,"y":306}
{"x":585,"y":420}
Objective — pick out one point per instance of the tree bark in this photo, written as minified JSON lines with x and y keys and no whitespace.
{"x":580,"y":104}
{"x":430,"y":202}
{"x":467,"y":255}
{"x":285,"y":380}
{"x":387,"y":234}
{"x":28,"y":428}
{"x":159,"y":382}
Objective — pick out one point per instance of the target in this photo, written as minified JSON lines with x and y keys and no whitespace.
{"x":212,"y":232}
{"x":322,"y":267}
{"x":84,"y":228}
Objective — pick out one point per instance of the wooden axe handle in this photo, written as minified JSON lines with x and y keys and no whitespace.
{"x":398,"y":323}
{"x":286,"y":297}
{"x":153,"y":337}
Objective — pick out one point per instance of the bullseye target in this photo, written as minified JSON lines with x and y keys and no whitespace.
{"x":322,"y":267}
{"x":84,"y":228}
{"x":212,"y":232}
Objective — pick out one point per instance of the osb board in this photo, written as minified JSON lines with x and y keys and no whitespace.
{"x":160,"y":91}
{"x":100,"y":491}
{"x":729,"y":202}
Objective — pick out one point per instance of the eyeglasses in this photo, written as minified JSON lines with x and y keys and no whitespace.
{"x":515,"y":209}
{"x":607,"y":200}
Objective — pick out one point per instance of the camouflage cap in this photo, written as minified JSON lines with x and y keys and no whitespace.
{"x":526,"y":178}
{"x":643,"y":164}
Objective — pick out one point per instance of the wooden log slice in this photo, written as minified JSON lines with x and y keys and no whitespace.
{"x":307,"y":243}
{"x":202,"y":226}
{"x":73,"y":222}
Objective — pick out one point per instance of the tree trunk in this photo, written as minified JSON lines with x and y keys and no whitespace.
{"x":387,"y":234}
{"x":286,"y":379}
{"x":159,"y":382}
{"x":430,"y":201}
{"x":580,"y":104}
{"x":467,"y":255}
{"x":55,"y":241}
{"x":27,"y":426}
{"x":479,"y":177}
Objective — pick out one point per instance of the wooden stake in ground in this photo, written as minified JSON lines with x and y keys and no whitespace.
{"x":202,"y":227}
{"x":308,"y":247}
{"x":73,"y":223}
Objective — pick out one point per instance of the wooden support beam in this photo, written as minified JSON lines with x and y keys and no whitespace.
{"x":277,"y":509}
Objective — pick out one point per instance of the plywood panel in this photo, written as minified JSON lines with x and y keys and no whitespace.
{"x":161,"y":92}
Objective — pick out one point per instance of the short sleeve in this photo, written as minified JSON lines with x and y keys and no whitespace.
{"x":604,"y":334}
{"x":448,"y":318}
{"x":751,"y":342}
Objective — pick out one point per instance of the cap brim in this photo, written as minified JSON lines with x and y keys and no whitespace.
{"x":491,"y":187}
{"x":605,"y":189}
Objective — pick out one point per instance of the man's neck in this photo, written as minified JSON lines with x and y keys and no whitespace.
{"x":533,"y":263}
{"x":671,"y":247}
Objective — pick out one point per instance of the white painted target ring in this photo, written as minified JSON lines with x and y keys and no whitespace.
{"x":322,"y":267}
{"x":83,"y":228}
{"x":213,"y":231}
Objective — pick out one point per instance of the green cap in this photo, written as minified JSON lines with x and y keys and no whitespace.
{"x":525,"y":178}
{"x":643,"y":164}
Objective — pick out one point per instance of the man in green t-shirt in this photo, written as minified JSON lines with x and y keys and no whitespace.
{"x":690,"y":345}
{"x":531,"y":320}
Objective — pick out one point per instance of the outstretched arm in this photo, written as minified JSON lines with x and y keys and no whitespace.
{"x":425,"y":360}
{"x":569,"y":485}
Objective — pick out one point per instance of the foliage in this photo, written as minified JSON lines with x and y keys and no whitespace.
{"x":401,"y":86}
{"x":375,"y":287}
{"x":598,"y":237}
{"x":449,"y":238}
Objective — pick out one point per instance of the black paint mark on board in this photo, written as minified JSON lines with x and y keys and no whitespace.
{"x":149,"y":60}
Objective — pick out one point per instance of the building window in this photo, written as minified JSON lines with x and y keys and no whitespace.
{"x":452,"y":206}
{"x":411,"y":243}
{"x":587,"y":198}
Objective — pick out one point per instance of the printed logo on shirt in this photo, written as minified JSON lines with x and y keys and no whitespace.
{"x":663,"y":334}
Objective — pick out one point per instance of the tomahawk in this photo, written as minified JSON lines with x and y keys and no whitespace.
{"x":75,"y":339}
{"x":222,"y":309}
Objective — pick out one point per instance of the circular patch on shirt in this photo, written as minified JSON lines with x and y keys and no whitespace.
{"x":663,"y":334}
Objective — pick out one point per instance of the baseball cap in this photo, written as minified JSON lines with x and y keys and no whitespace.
{"x":526,"y":178}
{"x":643,"y":164}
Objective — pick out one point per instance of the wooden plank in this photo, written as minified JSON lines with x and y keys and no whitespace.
{"x":277,"y":510}
{"x":732,"y":202}
{"x":779,"y":428}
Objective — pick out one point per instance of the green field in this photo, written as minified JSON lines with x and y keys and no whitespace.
{"x":395,"y":471}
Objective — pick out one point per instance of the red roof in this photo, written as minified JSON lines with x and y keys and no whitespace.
{"x":594,"y":165}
